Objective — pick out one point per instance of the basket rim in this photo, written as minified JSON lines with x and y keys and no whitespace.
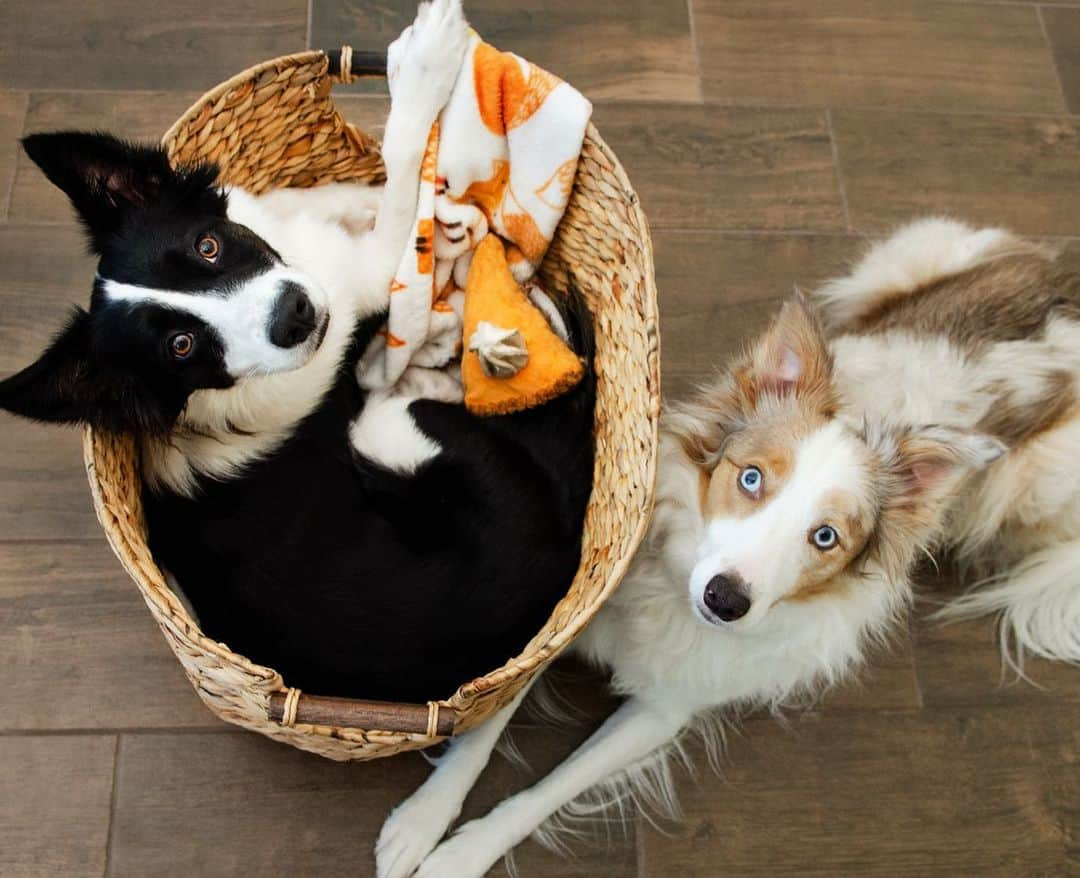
{"x":533,"y":656}
{"x":294,"y":59}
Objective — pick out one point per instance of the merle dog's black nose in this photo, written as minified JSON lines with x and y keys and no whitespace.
{"x":294,"y":317}
{"x":725,"y":596}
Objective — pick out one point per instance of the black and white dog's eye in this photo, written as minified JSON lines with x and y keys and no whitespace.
{"x":824,"y":538}
{"x":750,"y":480}
{"x":181,"y":345}
{"x":208,"y":248}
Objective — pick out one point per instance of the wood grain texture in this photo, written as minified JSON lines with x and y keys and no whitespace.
{"x":717,"y":291}
{"x":12,"y":115}
{"x":43,"y":484}
{"x":960,"y":664}
{"x":1014,"y":171}
{"x":367,"y":112}
{"x":887,"y":681}
{"x":992,"y":792}
{"x":1063,"y":32}
{"x":46,"y":272}
{"x":900,"y":53}
{"x":54,"y":805}
{"x":257,"y":808}
{"x":137,"y":115}
{"x":641,"y":51}
{"x":726,"y":168}
{"x":130,"y":44}
{"x":78,"y":649}
{"x":702,"y":329}
{"x":254,"y":807}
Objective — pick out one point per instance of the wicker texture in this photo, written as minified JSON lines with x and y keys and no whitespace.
{"x":276,"y":125}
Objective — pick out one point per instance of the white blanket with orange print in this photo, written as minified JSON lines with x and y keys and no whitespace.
{"x":501,"y":159}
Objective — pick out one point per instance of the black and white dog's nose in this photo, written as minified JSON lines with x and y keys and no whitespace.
{"x":294,"y":317}
{"x":725,"y":596}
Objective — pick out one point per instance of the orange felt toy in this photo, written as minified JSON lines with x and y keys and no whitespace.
{"x":552,"y":368}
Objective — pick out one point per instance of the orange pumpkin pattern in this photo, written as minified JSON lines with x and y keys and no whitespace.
{"x":501,"y":159}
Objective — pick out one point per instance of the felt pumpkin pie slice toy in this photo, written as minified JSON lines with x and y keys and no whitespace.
{"x":519,"y":362}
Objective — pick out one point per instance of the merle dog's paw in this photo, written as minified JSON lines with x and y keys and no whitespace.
{"x":409,"y":834}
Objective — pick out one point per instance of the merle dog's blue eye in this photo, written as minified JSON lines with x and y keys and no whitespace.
{"x":825,"y":537}
{"x":750,"y":479}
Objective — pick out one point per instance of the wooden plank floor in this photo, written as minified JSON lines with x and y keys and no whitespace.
{"x":767,"y":138}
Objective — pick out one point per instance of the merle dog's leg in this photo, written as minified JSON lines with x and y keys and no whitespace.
{"x":416,"y":825}
{"x":630,"y":734}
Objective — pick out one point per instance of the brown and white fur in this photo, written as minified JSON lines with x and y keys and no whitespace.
{"x":948,"y":345}
{"x":980,"y":330}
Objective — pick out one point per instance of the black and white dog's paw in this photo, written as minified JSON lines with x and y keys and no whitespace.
{"x":425,"y":60}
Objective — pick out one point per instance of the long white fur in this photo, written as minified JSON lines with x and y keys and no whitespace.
{"x":676,"y":672}
{"x":1020,"y":520}
{"x":917,"y":254}
{"x":1039,"y":603}
{"x":416,"y":826}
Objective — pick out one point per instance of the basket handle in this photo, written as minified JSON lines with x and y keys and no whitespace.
{"x":290,"y":707}
{"x":361,"y":64}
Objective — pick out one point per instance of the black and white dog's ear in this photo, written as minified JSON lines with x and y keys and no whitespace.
{"x":68,"y":385}
{"x":57,"y":387}
{"x":101,"y":174}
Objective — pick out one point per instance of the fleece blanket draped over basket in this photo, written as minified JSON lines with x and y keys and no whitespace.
{"x":276,"y":125}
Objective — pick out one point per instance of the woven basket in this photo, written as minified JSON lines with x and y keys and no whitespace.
{"x":276,"y":125}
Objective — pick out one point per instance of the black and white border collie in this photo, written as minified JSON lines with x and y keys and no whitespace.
{"x":368,"y":545}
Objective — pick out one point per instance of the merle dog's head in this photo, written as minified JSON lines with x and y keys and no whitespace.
{"x":184,"y":299}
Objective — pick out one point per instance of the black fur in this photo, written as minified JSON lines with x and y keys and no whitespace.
{"x":143,"y":217}
{"x":355,"y":581}
{"x":349,"y":579}
{"x":112,"y":370}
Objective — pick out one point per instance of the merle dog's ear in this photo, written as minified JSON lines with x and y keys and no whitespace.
{"x":102,"y":175}
{"x":792,"y":357}
{"x":69,"y":385}
{"x":923,"y":468}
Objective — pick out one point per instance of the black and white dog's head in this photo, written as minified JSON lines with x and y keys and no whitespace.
{"x":183,"y":300}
